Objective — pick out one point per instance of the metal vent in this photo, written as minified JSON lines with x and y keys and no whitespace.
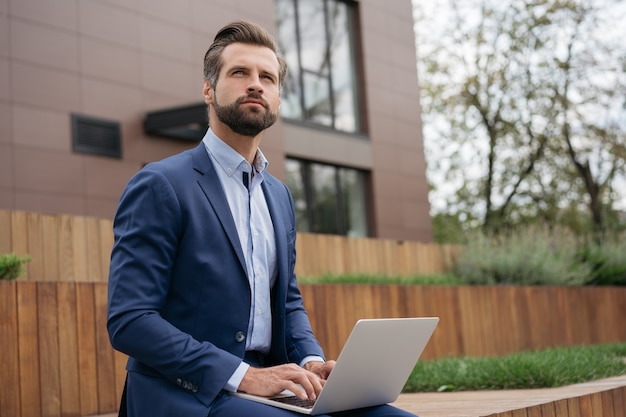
{"x":96,"y":136}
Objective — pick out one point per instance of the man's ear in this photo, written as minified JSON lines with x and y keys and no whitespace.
{"x":207,"y":92}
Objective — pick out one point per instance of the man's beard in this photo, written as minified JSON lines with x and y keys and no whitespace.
{"x":246,"y":122}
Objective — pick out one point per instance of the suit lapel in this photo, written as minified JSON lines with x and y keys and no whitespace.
{"x":278,"y":221}
{"x":211,"y":186}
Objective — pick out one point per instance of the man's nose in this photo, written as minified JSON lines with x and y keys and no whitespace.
{"x":255,"y":85}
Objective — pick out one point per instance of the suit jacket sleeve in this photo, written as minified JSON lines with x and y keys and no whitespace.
{"x":143,"y":320}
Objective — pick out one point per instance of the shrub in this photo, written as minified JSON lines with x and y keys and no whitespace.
{"x":12,"y":266}
{"x":355,"y":278}
{"x":532,"y":256}
{"x":607,"y":263}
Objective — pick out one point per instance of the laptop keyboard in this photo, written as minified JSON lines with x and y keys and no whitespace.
{"x":295,"y":401}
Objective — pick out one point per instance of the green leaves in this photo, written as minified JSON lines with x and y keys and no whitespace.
{"x":12,"y":266}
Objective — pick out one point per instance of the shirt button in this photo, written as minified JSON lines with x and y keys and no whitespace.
{"x":259,"y":311}
{"x":240,"y":337}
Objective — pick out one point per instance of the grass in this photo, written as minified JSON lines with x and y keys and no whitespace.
{"x":532,"y":369}
{"x":433,"y":279}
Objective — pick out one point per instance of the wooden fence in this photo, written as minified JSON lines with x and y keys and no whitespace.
{"x":76,"y":248}
{"x":56,"y":359}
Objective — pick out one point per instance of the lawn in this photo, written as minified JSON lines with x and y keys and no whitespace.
{"x":532,"y":369}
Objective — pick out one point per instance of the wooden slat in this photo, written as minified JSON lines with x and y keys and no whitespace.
{"x":586,"y":409}
{"x":19,"y":237}
{"x":9,"y":363}
{"x":607,"y":403}
{"x":80,"y":251}
{"x":534,"y":411}
{"x":68,"y":348}
{"x":596,"y":405}
{"x":573,"y":407}
{"x":34,"y":228}
{"x":48,"y":329}
{"x":561,"y":408}
{"x":619,"y":401}
{"x":5,"y":232}
{"x":28,"y":337}
{"x":107,"y":395}
{"x":87,"y":356}
{"x":547,"y":410}
{"x":66,"y":249}
{"x":93,"y":250}
{"x":51,"y":248}
{"x":106,"y":245}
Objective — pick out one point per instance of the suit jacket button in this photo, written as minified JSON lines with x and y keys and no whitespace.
{"x":240,"y":337}
{"x":179,"y":382}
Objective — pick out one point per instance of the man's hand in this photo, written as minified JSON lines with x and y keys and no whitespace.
{"x":321,"y":369}
{"x":273,"y":380}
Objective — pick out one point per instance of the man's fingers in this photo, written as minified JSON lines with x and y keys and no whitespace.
{"x":273,"y":380}
{"x":308,"y":384}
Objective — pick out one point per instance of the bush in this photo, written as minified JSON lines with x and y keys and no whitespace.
{"x":375,"y":279}
{"x":530,"y":256}
{"x":607,"y":263}
{"x":12,"y":266}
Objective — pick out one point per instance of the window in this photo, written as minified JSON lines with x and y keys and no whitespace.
{"x":317,"y":39}
{"x":328,"y":199}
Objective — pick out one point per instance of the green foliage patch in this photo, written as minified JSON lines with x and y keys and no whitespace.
{"x":531,"y":369}
{"x":541,"y":256}
{"x":526,"y":257}
{"x":12,"y":266}
{"x":435,"y":279}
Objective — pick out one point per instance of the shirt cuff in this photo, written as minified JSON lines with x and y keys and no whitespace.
{"x":233,"y":383}
{"x":311,"y":358}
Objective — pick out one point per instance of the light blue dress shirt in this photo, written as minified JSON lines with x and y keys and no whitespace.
{"x":256,"y":234}
{"x":255,"y":230}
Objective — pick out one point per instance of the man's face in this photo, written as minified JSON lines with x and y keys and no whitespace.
{"x":246,"y":96}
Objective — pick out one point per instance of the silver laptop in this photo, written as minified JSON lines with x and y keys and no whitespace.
{"x":371,"y":369}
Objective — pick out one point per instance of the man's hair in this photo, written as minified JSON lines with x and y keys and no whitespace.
{"x":240,"y":32}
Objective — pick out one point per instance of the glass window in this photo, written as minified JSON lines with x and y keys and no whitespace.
{"x":296,"y":179}
{"x":316,"y":38}
{"x":328,"y":199}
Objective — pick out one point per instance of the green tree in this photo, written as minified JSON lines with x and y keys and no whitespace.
{"x":523,"y":107}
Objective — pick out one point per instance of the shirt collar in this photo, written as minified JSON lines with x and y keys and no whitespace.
{"x":228,"y":159}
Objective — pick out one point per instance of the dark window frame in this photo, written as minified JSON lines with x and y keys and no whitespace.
{"x":308,"y":190}
{"x":356,"y":70}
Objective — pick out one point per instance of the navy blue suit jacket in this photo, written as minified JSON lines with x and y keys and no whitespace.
{"x":179,"y":297}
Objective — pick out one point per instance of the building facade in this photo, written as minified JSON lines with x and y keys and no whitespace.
{"x":92,"y":90}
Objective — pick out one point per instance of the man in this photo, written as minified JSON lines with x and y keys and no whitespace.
{"x":202,"y":292}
